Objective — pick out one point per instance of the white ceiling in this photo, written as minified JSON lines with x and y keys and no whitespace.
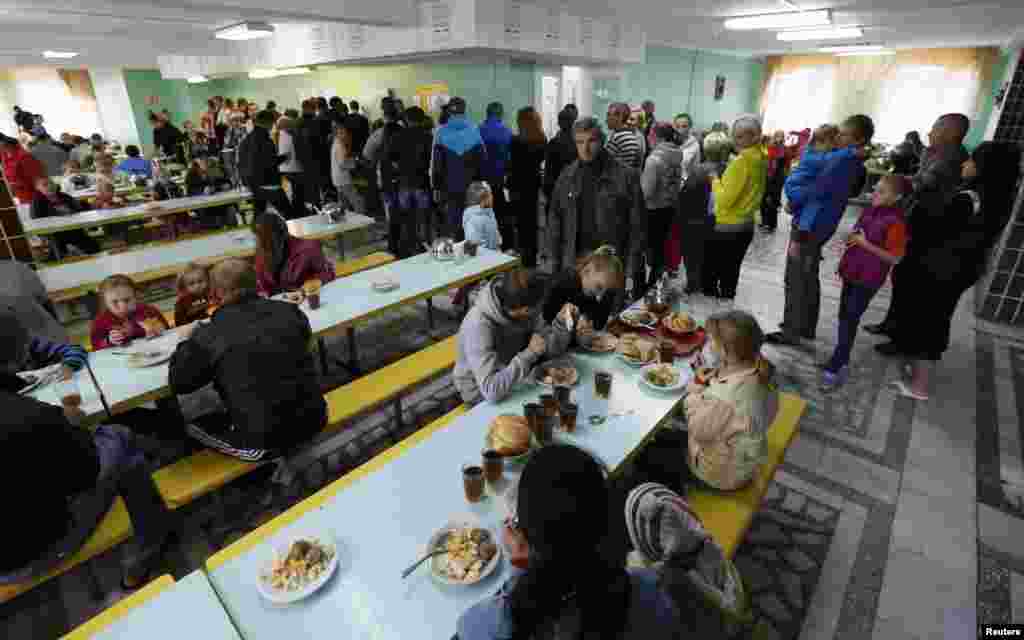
{"x":133,"y":32}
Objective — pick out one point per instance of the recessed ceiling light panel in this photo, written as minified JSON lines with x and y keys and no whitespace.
{"x":59,"y":55}
{"x":837,"y":33}
{"x":793,"y":20}
{"x":245,"y":31}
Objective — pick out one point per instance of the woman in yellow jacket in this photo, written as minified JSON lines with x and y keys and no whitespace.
{"x":737,"y":197}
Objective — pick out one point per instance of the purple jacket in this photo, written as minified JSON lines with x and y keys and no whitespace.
{"x":306,"y":261}
{"x":860,"y":266}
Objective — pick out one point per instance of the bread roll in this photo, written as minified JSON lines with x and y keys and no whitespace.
{"x":510,"y":435}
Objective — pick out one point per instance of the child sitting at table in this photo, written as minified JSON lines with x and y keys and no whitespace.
{"x":478,"y":221}
{"x":193,"y":301}
{"x":48,"y":201}
{"x":122,"y":317}
{"x":729,"y":408}
{"x":74,"y":179}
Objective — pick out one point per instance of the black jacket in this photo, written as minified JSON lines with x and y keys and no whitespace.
{"x":524,"y":166}
{"x":36,"y":438}
{"x":566,"y":287}
{"x":43,"y":207}
{"x":360,"y":131}
{"x":411,"y":151}
{"x":559,"y":154}
{"x":258,"y":159}
{"x":167,"y":139}
{"x":256,"y":352}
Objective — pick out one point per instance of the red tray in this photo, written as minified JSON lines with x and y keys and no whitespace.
{"x":686,"y":344}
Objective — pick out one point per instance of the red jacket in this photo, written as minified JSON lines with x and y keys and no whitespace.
{"x":306,"y":261}
{"x":22,"y":170}
{"x":106,"y":322}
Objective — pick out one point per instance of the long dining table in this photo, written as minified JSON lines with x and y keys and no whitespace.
{"x":72,"y":280}
{"x":345,"y":303}
{"x":381,"y":516}
{"x":100,"y":217}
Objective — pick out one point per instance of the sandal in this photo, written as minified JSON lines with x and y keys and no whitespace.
{"x":904,"y":390}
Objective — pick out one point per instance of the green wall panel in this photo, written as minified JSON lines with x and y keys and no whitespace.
{"x":978,"y":126}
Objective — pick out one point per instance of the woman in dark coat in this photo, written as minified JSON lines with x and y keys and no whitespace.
{"x":524,"y":181}
{"x":952,"y":257}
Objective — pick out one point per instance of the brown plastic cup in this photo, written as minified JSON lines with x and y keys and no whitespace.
{"x":568,"y":416}
{"x":312,"y":290}
{"x":603,"y":384}
{"x":473,"y":482}
{"x":667,"y":351}
{"x":549,"y":403}
{"x":494,"y":466}
{"x":533,"y":413}
{"x":562,"y":396}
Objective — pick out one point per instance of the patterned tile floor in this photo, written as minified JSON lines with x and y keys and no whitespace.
{"x":889,"y":519}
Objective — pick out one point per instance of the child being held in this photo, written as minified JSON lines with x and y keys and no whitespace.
{"x":122,"y":318}
{"x":821,"y":150}
{"x":193,"y":301}
{"x":728,"y":409}
{"x":478,"y":221}
{"x":878,"y":241}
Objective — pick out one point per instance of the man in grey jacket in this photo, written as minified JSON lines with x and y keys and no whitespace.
{"x":597,"y":201}
{"x":503,"y":336}
{"x":660,"y":182}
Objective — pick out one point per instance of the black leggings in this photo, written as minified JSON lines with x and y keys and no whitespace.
{"x":659,"y":227}
{"x":723,"y":261}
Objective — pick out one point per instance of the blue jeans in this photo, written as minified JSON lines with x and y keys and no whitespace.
{"x":853,"y":302}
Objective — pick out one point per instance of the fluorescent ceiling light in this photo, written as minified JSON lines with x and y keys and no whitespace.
{"x":850,"y":54}
{"x":59,"y":55}
{"x":821,"y":34}
{"x":245,"y":31}
{"x":197,"y":79}
{"x":793,"y":20}
{"x":852,"y":48}
{"x":264,"y":74}
{"x":293,"y":71}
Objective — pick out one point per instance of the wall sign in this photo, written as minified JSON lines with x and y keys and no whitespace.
{"x":719,"y":87}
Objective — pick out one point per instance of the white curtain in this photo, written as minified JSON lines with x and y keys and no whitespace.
{"x":799,"y":98}
{"x":913,"y":96}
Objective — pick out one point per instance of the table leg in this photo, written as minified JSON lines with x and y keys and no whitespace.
{"x":430,"y":314}
{"x":341,"y":246}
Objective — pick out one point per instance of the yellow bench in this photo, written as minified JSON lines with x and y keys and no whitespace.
{"x":256,"y":536}
{"x":206,"y":471}
{"x":114,"y":529}
{"x":727,"y":514}
{"x":106,"y":618}
{"x":344,"y":268}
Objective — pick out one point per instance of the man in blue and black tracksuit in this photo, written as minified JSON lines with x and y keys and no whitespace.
{"x":458,"y":161}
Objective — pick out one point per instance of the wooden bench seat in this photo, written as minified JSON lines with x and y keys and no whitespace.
{"x":108,"y":617}
{"x":344,"y":268}
{"x":727,"y":515}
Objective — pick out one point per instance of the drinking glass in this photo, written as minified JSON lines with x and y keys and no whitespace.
{"x":69,"y":393}
{"x":568,"y":416}
{"x":602,"y":396}
{"x":473,"y":482}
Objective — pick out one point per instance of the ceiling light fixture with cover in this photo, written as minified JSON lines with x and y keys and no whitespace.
{"x":59,"y":55}
{"x":882,"y":52}
{"x":794,"y":20}
{"x":245,"y":31}
{"x":852,"y":48}
{"x":264,"y":74}
{"x":837,"y":33}
{"x":197,"y":79}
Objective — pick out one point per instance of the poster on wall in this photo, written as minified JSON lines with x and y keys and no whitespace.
{"x":719,"y":87}
{"x":431,"y":97}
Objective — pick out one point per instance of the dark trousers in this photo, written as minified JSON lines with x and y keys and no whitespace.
{"x":772,"y":200}
{"x":723,"y":262}
{"x":853,"y":302}
{"x":455,"y":205}
{"x":504,"y":213}
{"x":922,"y":324}
{"x":899,"y":291}
{"x":803,"y":290}
{"x":693,"y":242}
{"x":659,"y":227}
{"x":418,"y":225}
{"x":276,"y":197}
{"x":524,"y":205}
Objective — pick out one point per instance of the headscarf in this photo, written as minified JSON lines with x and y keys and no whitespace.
{"x":275,"y":262}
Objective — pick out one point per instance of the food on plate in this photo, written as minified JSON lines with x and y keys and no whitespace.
{"x":469,"y":551}
{"x":680,"y":323}
{"x":152,"y":326}
{"x":657,"y":308}
{"x":639,"y":317}
{"x":559,"y":376}
{"x":637,"y":348}
{"x":510,"y":435}
{"x":305,"y":561}
{"x":601,"y":342}
{"x":662,"y":375}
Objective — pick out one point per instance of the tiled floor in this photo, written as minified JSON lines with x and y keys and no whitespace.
{"x":889,"y":519}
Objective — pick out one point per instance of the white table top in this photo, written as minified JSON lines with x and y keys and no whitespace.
{"x":43,"y":226}
{"x":188,"y":609}
{"x":382,"y":523}
{"x":92,"y":271}
{"x":343,"y":301}
{"x":91,"y":405}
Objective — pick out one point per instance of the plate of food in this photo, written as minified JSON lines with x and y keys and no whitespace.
{"x":600,"y":342}
{"x":639,"y":318}
{"x":510,"y":436}
{"x":679,"y":323}
{"x":385,"y":285}
{"x":636,"y":350}
{"x":556,"y":373}
{"x":149,"y":357}
{"x":473,"y":553}
{"x":298,"y":569}
{"x":663,"y":377}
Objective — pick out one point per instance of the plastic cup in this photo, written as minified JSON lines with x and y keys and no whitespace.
{"x":563,"y":396}
{"x":667,"y":351}
{"x":568,"y":417}
{"x":312,"y":290}
{"x":494,"y":466}
{"x":534,"y":413}
{"x":473,"y":482}
{"x":69,"y":393}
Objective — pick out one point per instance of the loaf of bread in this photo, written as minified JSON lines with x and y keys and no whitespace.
{"x":510,"y":435}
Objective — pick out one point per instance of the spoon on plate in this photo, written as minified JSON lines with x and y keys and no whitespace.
{"x":435,"y":552}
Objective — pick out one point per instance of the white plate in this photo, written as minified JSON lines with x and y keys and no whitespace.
{"x":627,"y":316}
{"x":438,"y":563}
{"x":286,"y":597}
{"x":685,"y":376}
{"x":591,"y":349}
{"x":155,"y":357}
{"x":383,"y":286}
{"x":566,"y":362}
{"x":633,"y":362}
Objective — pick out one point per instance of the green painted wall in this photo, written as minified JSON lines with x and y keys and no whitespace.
{"x":183,"y":100}
{"x":978,"y":126}
{"x":681,"y":80}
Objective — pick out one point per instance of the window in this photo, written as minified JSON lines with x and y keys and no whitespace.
{"x":800,"y":99}
{"x":913,"y":96}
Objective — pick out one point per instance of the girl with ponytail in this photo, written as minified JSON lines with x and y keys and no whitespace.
{"x":591,"y":286}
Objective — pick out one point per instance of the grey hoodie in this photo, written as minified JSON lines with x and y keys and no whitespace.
{"x":492,"y":355}
{"x":662,"y":176}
